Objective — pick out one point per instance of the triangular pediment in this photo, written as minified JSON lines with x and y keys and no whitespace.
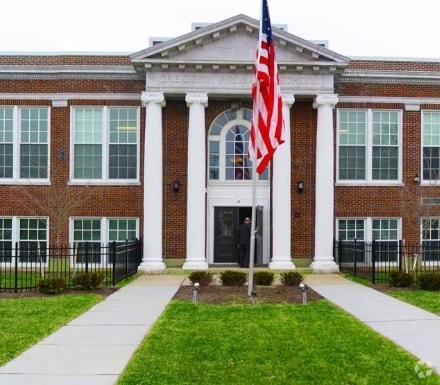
{"x":232,"y":44}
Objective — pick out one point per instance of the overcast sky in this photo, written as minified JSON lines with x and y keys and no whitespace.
{"x":378,"y":28}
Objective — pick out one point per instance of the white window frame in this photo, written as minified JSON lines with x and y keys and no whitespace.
{"x":104,"y":230}
{"x":105,"y":143}
{"x":15,"y":237}
{"x":16,"y":178}
{"x":369,"y":150}
{"x":423,"y":181}
{"x":221,"y":138}
{"x":368,"y":226}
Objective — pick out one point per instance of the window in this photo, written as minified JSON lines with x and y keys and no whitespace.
{"x":431,"y":145}
{"x":384,"y":231}
{"x":367,"y":229}
{"x":31,"y":234}
{"x":369,"y":145}
{"x":431,"y":239}
{"x":228,"y":147}
{"x":91,"y":234}
{"x":24,"y":143}
{"x":106,"y":143}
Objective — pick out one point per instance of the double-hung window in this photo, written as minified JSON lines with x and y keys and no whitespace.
{"x":24,"y":143}
{"x":105,"y":144}
{"x":369,"y":146}
{"x":90,"y":235}
{"x":431,"y":145}
{"x":384,"y":231}
{"x":31,"y":236}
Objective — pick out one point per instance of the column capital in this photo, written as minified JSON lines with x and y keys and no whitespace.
{"x":325,"y":100}
{"x":288,"y":99}
{"x":198,"y":98}
{"x":153,"y":97}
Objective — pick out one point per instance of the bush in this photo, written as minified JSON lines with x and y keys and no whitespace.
{"x":401,"y":279}
{"x":88,"y":281}
{"x":233,"y":278}
{"x":291,"y":278}
{"x":429,"y":281}
{"x":204,"y":278}
{"x":264,"y":278}
{"x":54,"y":285}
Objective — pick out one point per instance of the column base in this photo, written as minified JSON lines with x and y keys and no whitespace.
{"x":324,"y":265}
{"x":198,"y":264}
{"x":152,"y":266}
{"x":282,"y":264}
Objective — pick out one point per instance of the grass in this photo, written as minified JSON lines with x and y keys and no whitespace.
{"x":428,"y":300}
{"x":266,"y":344}
{"x":26,"y":321}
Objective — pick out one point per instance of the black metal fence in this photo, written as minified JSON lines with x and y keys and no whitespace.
{"x":375,"y":260}
{"x":24,"y":265}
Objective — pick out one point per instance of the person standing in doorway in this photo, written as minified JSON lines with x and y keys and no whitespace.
{"x":244,"y":242}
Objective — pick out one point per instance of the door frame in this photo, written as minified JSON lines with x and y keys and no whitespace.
{"x":224,"y":195}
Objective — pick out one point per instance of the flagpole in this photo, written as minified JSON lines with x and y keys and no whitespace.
{"x":254,"y":195}
{"x":255,"y":118}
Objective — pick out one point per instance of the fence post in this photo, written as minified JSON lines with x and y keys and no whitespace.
{"x":373,"y":262}
{"x":113,"y":251}
{"x":355,"y":259}
{"x":16,"y":268}
{"x":87,"y":256}
{"x":400,"y":254}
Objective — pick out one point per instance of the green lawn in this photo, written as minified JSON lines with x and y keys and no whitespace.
{"x":428,"y":300}
{"x":26,"y":321}
{"x":266,"y":344}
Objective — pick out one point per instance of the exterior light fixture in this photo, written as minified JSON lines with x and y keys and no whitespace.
{"x":416,"y":179}
{"x":300,"y":186}
{"x":195,"y":292}
{"x":176,"y":186}
{"x":302,"y":288}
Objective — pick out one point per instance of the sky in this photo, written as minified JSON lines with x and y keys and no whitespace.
{"x":354,"y":28}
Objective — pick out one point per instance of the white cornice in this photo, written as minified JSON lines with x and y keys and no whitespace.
{"x":388,"y":100}
{"x":364,"y":76}
{"x":70,"y":96}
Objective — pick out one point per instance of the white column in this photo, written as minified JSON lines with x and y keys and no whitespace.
{"x":196,"y":213}
{"x":281,"y":197}
{"x":323,"y":261}
{"x":153,"y":176}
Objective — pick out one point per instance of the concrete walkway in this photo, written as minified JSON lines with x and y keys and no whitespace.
{"x":94,"y":348}
{"x":410,"y":327}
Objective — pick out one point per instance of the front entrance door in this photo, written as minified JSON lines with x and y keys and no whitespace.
{"x":226,"y":223}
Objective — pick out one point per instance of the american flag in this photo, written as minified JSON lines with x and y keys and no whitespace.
{"x":267,"y":129}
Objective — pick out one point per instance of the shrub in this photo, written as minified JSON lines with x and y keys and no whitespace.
{"x":291,"y":278}
{"x":54,"y":285}
{"x":264,"y":278}
{"x":204,"y":278}
{"x":233,"y":278}
{"x":87,"y":281}
{"x":400,"y":279}
{"x":429,"y":281}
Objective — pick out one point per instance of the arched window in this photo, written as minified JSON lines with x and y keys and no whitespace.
{"x":228,"y":143}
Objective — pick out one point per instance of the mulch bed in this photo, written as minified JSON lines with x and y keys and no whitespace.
{"x":216,"y":294}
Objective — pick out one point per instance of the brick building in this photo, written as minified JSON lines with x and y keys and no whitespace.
{"x":99,"y":147}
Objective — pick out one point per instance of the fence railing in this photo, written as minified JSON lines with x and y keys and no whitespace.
{"x":23,"y":265}
{"x":375,"y":260}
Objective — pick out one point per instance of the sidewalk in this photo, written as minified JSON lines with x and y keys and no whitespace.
{"x":94,"y":348}
{"x":415,"y":330}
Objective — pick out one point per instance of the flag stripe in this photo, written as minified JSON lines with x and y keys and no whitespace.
{"x":267,"y":129}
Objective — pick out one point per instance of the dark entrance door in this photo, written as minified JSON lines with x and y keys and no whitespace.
{"x":226,"y":223}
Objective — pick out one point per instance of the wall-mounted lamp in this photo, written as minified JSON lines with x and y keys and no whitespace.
{"x":176,"y":186}
{"x":416,"y":179}
{"x":300,"y":186}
